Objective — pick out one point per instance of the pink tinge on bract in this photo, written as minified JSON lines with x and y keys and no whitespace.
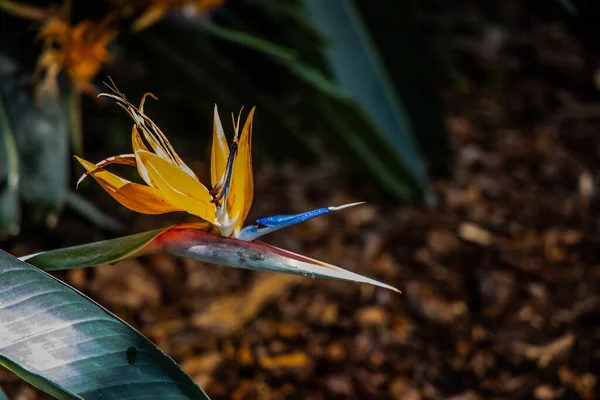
{"x":186,"y":241}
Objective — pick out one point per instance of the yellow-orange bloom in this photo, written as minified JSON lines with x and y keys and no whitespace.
{"x":171,"y":185}
{"x":80,"y":50}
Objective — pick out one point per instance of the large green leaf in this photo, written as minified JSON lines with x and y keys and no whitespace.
{"x":344,"y":120}
{"x":372,"y":154}
{"x":398,"y":35}
{"x":63,"y":343}
{"x":193,"y":241}
{"x":357,"y":68}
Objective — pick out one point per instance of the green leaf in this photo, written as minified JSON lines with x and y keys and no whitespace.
{"x":361,"y":75}
{"x":9,"y":176}
{"x":97,"y":253}
{"x":43,"y":143}
{"x":317,"y":79}
{"x":371,"y":152}
{"x":41,"y":135}
{"x":65,"y":344}
{"x":414,"y":74}
{"x":192,"y":242}
{"x":244,"y":39}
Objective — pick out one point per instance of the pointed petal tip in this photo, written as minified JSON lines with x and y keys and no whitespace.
{"x":80,"y":160}
{"x":392,"y":288}
{"x":337,"y":208}
{"x":378,"y":284}
{"x":86,"y":173}
{"x":217,"y":118}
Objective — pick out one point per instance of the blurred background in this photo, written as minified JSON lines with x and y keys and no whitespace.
{"x":470,"y":128}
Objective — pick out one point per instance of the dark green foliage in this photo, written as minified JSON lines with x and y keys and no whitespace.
{"x":70,"y":347}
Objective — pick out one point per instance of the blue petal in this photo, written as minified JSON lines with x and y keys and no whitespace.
{"x":292,"y":219}
{"x":277,"y":222}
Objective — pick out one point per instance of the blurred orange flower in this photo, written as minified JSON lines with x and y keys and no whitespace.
{"x":80,"y":50}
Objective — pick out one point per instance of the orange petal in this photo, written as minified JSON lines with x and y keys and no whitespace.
{"x":124,"y":159}
{"x":150,"y":132}
{"x":177,"y":186}
{"x":56,"y":28}
{"x":219,"y":152}
{"x":139,"y":198}
{"x":241,"y":193}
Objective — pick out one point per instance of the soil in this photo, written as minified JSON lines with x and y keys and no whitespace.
{"x":500,"y":278}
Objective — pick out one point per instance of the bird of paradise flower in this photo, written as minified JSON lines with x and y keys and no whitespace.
{"x":172,"y":186}
{"x":80,"y":50}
